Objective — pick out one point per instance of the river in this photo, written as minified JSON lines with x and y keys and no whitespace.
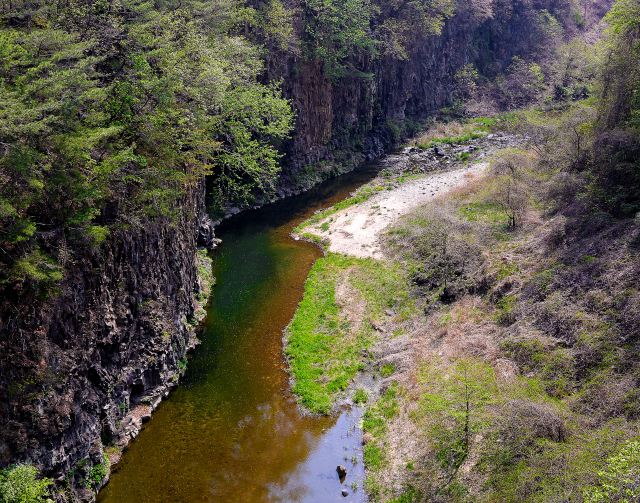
{"x":231,"y":432}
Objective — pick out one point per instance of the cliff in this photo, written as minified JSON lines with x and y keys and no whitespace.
{"x":340,"y":123}
{"x":82,"y":367}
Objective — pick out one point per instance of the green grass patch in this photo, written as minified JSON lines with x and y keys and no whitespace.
{"x":436,"y":142}
{"x":360,"y":396}
{"x":484,"y":213}
{"x":384,"y":286}
{"x":322,"y":352}
{"x":374,"y":456}
{"x":410,"y":495}
{"x":387,"y":370}
{"x":360,"y":196}
{"x":485,"y":121}
{"x":375,"y":418}
{"x":207,"y":278}
{"x":312,"y":237}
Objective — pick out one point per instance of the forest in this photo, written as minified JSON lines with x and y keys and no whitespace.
{"x":124,"y":124}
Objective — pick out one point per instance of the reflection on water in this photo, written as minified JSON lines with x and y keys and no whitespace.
{"x":231,"y":431}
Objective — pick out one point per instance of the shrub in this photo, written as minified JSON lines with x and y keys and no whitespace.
{"x":18,"y":484}
{"x":510,"y":191}
{"x":387,"y":370}
{"x":523,"y":423}
{"x":360,"y":396}
{"x":620,"y":481}
{"x":99,"y":471}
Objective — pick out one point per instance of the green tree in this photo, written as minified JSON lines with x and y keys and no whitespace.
{"x":112,"y":111}
{"x":620,"y":76}
{"x":19,"y":484}
{"x":336,"y":30}
{"x":455,"y":402}
{"x":404,"y":22}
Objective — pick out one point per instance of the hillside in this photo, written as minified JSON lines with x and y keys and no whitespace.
{"x":490,"y":326}
{"x":128,"y":127}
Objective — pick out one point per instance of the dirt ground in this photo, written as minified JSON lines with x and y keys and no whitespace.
{"x":356,"y":230}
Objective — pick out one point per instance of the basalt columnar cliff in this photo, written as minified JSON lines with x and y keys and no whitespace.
{"x":86,"y":358}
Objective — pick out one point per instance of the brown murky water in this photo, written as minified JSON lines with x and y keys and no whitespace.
{"x":232,"y":432}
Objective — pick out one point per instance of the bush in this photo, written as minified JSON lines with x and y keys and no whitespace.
{"x":511,"y":188}
{"x":620,"y":481}
{"x":523,"y":423}
{"x":441,"y":244}
{"x":360,"y":396}
{"x":18,"y":484}
{"x":99,"y":471}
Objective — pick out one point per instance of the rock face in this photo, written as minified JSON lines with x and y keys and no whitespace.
{"x":84,"y":368}
{"x":206,"y":233}
{"x":342,"y":123}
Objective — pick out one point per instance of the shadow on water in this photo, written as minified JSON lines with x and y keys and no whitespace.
{"x":231,"y":431}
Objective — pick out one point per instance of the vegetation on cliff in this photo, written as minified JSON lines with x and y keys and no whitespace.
{"x":111,"y":111}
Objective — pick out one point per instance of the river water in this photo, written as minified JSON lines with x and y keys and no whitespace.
{"x":231,"y":432}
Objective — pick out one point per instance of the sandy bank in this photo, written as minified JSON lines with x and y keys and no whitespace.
{"x":356,"y":230}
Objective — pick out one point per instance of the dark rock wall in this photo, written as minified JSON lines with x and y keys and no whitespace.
{"x":87,"y":365}
{"x":354,"y":112}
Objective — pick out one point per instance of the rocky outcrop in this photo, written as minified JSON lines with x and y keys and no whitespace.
{"x":339,"y":124}
{"x":82,"y":370}
{"x":337,"y":121}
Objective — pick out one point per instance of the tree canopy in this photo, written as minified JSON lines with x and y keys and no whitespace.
{"x":110,"y":111}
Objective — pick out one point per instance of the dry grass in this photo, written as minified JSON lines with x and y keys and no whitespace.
{"x":442,"y":130}
{"x":549,"y":308}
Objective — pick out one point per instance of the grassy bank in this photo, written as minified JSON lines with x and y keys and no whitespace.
{"x":505,"y":330}
{"x":344,"y":301}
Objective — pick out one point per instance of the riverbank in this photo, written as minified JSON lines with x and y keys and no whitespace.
{"x":446,"y":305}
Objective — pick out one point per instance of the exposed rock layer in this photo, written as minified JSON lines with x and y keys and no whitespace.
{"x":362,"y":114}
{"x":76,"y":365}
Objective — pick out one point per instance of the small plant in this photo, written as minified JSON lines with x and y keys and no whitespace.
{"x":123,"y":406}
{"x":387,"y":370}
{"x":360,"y":396}
{"x":619,"y":481}
{"x":324,"y":227}
{"x":68,"y":478}
{"x":99,"y":472}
